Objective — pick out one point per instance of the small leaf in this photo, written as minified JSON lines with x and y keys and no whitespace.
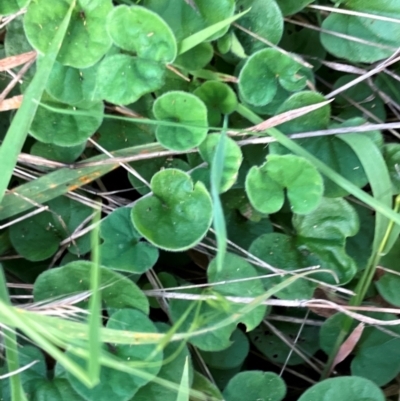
{"x":57,"y":390}
{"x":141,"y":31}
{"x":391,"y":154}
{"x":74,"y":278}
{"x":289,"y":7}
{"x":260,"y":75}
{"x":8,"y":7}
{"x":265,"y":185}
{"x":232,"y":160}
{"x":179,"y":213}
{"x":344,"y":388}
{"x":58,"y":153}
{"x":123,"y":79}
{"x":88,"y":20}
{"x":196,"y":58}
{"x":184,"y":108}
{"x":255,"y":385}
{"x":122,"y":249}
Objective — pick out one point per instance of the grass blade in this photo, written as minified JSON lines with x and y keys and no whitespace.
{"x":183,"y":393}
{"x":18,"y":131}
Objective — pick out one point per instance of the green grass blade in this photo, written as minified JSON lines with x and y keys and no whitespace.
{"x":217,"y":167}
{"x":201,"y":36}
{"x":18,"y":131}
{"x":394,"y":231}
{"x":95,"y":318}
{"x":183,"y":393}
{"x":10,"y":344}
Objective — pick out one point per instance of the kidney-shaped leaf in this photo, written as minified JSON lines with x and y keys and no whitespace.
{"x":232,"y":160}
{"x":137,"y":29}
{"x":178,"y":214}
{"x":123,"y":79}
{"x":255,"y":385}
{"x":344,"y":388}
{"x":265,"y":185}
{"x":184,"y":108}
{"x":122,"y":248}
{"x":78,"y":50}
{"x":259,"y":77}
{"x":74,"y":278}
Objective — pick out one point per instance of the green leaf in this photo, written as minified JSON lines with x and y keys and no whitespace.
{"x":8,"y":7}
{"x":270,"y":345}
{"x":72,"y":85}
{"x":289,"y":7}
{"x":114,"y":384}
{"x":122,"y":249}
{"x":231,"y":163}
{"x":58,"y":153}
{"x":255,"y":385}
{"x":88,"y":20}
{"x":123,"y":79}
{"x":185,"y":19}
{"x":74,"y":278}
{"x":16,"y":42}
{"x":178,"y":214}
{"x":383,"y":36}
{"x":261,"y":73}
{"x":391,"y":153}
{"x":184,"y":108}
{"x":196,"y":58}
{"x":141,"y":31}
{"x":57,"y":390}
{"x":236,"y":268}
{"x":219,"y":98}
{"x":264,"y":19}
{"x":281,"y":251}
{"x":204,"y":385}
{"x":65,"y":129}
{"x":265,"y":185}
{"x":344,"y":388}
{"x":50,"y":228}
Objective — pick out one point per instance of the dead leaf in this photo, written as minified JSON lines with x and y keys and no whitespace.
{"x":14,"y":61}
{"x":11,"y":104}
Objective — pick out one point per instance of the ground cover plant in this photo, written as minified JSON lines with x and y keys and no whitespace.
{"x":199,"y":200}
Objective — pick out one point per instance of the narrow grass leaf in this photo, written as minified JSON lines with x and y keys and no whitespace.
{"x":183,"y":393}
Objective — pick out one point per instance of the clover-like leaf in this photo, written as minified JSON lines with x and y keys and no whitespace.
{"x":289,"y":7}
{"x":66,"y":129}
{"x":58,"y":389}
{"x":236,"y":268}
{"x":260,"y":75}
{"x":196,"y":58}
{"x":88,"y":20}
{"x":139,"y":30}
{"x":58,"y":153}
{"x":50,"y":228}
{"x":379,"y":35}
{"x":178,"y":214}
{"x":232,"y":160}
{"x":186,"y":18}
{"x":74,"y":278}
{"x":392,"y":158}
{"x":184,"y":108}
{"x":115,"y":384}
{"x":219,"y":99}
{"x":122,"y":248}
{"x":265,"y":185}
{"x":72,"y":85}
{"x":123,"y":79}
{"x":344,"y":388}
{"x":255,"y":385}
{"x":264,"y":19}
{"x":8,"y":7}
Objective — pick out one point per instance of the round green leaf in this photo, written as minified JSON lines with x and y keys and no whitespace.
{"x":255,"y":385}
{"x":219,"y":99}
{"x":66,"y":129}
{"x":289,"y":7}
{"x":72,"y":85}
{"x":74,"y":278}
{"x":379,"y":34}
{"x":196,"y":58}
{"x":114,"y":384}
{"x":122,"y":248}
{"x":280,"y":250}
{"x":123,"y":79}
{"x":344,"y":388}
{"x":184,"y":108}
{"x":259,"y":77}
{"x":88,"y":19}
{"x":58,"y":153}
{"x":141,"y":31}
{"x":264,"y":19}
{"x":15,"y":42}
{"x":232,"y":160}
{"x":265,"y":185}
{"x":178,"y":214}
{"x":57,"y":390}
{"x":8,"y":7}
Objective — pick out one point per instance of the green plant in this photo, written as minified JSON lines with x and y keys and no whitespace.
{"x":191,"y":191}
